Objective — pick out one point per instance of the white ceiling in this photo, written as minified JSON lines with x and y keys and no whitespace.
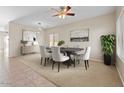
{"x":9,"y":13}
{"x":34,"y":14}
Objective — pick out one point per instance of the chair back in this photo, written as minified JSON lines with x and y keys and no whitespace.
{"x":87,"y":53}
{"x":56,"y":55}
{"x":42,"y":51}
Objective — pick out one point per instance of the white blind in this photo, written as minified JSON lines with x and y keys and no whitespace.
{"x":120,"y":36}
{"x":53,"y":39}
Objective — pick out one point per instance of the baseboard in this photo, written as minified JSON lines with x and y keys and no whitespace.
{"x":97,"y":60}
{"x":120,"y":76}
{"x":14,"y":56}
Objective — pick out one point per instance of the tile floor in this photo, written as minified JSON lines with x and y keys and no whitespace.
{"x":15,"y":74}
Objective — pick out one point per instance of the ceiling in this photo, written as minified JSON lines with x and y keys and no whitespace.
{"x":31,"y":15}
{"x":10,"y":13}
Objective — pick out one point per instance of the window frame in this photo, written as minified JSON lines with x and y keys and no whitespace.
{"x":120,"y":36}
{"x":55,"y":39}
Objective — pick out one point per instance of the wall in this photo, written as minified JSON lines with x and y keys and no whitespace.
{"x":98,"y":26}
{"x":119,"y":61}
{"x":2,"y":35}
{"x":15,"y":35}
{"x":2,"y":28}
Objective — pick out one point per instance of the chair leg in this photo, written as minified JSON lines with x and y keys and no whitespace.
{"x":85,"y":64}
{"x":41,"y":60}
{"x":48,"y":59}
{"x":58,"y":66}
{"x":53,"y":65}
{"x":45,"y":62}
{"x":88,"y":63}
{"x":74,"y":62}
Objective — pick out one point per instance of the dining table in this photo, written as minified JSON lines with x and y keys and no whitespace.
{"x":68,"y":51}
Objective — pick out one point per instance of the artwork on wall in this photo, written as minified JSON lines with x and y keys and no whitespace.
{"x":29,"y":37}
{"x":79,"y":35}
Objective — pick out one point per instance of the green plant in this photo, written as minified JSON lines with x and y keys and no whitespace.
{"x":61,"y":42}
{"x":108,"y":43}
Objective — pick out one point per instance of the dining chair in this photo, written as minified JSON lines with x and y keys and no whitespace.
{"x":75,"y":56}
{"x":81,"y":55}
{"x":45,"y":56}
{"x":85,"y":57}
{"x":58,"y":57}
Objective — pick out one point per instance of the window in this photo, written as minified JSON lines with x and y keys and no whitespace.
{"x":120,"y":35}
{"x":53,"y":39}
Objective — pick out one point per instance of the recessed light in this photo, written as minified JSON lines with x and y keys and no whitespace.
{"x":39,"y":23}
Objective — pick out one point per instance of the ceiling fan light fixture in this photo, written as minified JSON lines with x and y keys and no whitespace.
{"x":63,"y":12}
{"x":62,"y":16}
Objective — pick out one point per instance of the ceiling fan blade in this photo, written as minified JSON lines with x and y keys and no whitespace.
{"x":70,"y":14}
{"x":55,"y":9}
{"x":68,"y":8}
{"x":56,"y":15}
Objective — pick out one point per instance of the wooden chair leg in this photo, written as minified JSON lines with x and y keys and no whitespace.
{"x":74,"y":62}
{"x":88,"y":63}
{"x":58,"y":66}
{"x":85,"y":64}
{"x":48,"y":60}
{"x":41,"y":60}
{"x":53,"y":65}
{"x":45,"y":62}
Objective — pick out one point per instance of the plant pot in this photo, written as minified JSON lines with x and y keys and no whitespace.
{"x":107,"y":59}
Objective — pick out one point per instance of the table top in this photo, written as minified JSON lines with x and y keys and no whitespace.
{"x":68,"y":49}
{"x":71,"y":49}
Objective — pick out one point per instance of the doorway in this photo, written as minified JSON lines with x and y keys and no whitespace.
{"x":4,"y":43}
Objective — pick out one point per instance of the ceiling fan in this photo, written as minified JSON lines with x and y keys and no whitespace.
{"x":63,"y":11}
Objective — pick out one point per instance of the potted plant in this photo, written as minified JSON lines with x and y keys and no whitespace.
{"x":61,"y":42}
{"x":108,"y":43}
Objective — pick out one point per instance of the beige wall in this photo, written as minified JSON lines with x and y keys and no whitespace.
{"x":119,"y":61}
{"x":98,"y":26}
{"x":15,"y":35}
{"x":2,"y":35}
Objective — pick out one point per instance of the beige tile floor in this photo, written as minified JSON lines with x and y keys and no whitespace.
{"x":15,"y":74}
